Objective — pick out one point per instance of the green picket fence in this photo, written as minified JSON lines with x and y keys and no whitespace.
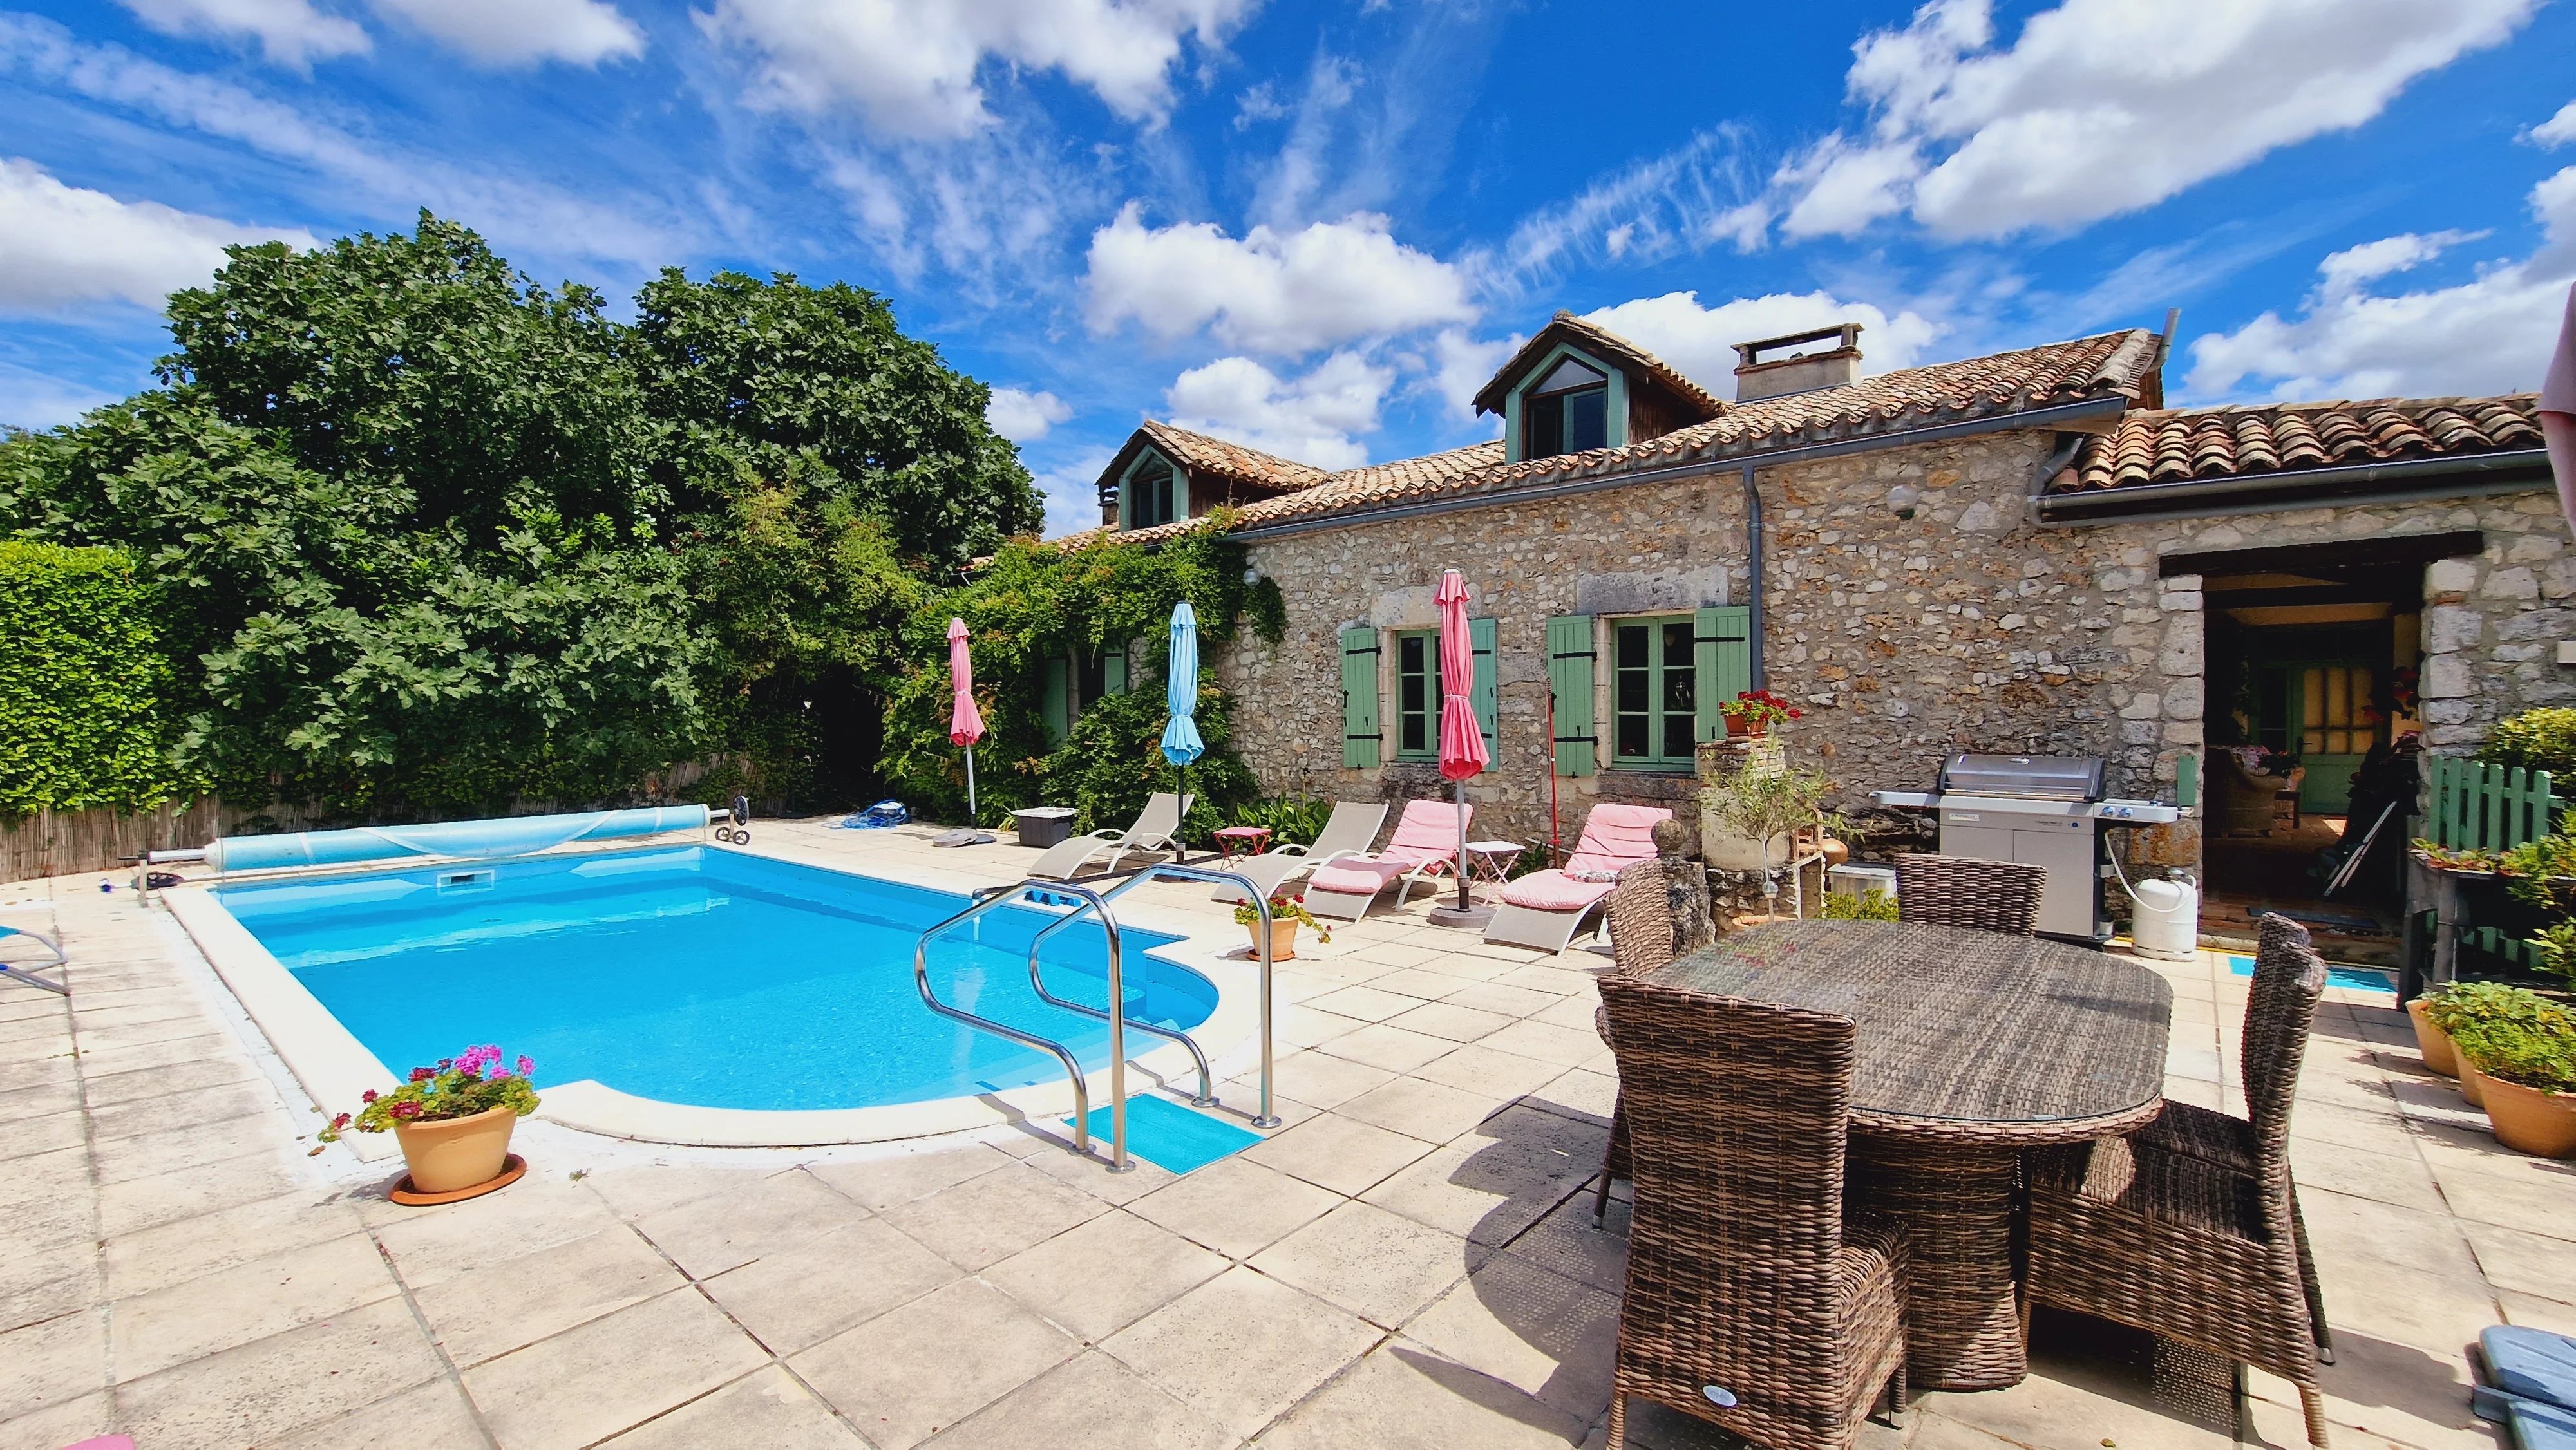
{"x":2479,"y":806}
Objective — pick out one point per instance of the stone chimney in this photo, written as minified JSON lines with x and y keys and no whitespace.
{"x":1798,"y":369}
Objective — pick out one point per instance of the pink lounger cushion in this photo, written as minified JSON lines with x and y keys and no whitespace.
{"x":1356,"y":875}
{"x":1553,"y":890}
{"x":1614,"y":836}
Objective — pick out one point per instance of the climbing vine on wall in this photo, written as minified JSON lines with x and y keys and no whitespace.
{"x":1034,"y":604}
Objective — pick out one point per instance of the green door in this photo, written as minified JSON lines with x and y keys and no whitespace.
{"x":2320,"y":711}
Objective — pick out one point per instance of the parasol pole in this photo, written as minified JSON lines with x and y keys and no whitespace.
{"x":973,"y":817}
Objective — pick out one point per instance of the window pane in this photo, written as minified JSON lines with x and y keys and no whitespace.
{"x":1634,"y":642}
{"x":2312,"y":697}
{"x":1587,"y":420}
{"x":1569,"y":374}
{"x":1632,"y":741}
{"x":2313,"y":743}
{"x":1543,"y":427}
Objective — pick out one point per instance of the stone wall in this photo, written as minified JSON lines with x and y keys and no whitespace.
{"x":1906,"y":628}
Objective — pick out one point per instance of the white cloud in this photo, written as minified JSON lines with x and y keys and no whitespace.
{"x":63,"y":246}
{"x":2101,"y":107}
{"x":33,"y":400}
{"x":912,"y":67}
{"x":510,"y":211}
{"x":2491,"y":334}
{"x":1278,"y":292}
{"x":522,"y":32}
{"x":1309,"y":419}
{"x":1685,"y":199}
{"x":289,"y":32}
{"x":1023,"y":416}
{"x":1461,"y":366}
{"x":1072,"y":491}
{"x":1700,"y":341}
{"x":2557,"y":131}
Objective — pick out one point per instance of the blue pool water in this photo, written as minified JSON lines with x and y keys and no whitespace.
{"x":2360,"y":979}
{"x":700,"y":976}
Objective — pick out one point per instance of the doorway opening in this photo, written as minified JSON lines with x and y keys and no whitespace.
{"x":2313,"y":727}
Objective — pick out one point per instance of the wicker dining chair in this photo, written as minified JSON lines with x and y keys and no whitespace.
{"x":1751,"y":1301}
{"x":1641,"y":940}
{"x":2278,"y":1015}
{"x":1964,"y":891}
{"x":2190,"y":1245}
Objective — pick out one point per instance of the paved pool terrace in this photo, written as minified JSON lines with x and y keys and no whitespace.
{"x":1410,"y":1262}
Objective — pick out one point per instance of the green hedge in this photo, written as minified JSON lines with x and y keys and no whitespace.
{"x":83,"y":680}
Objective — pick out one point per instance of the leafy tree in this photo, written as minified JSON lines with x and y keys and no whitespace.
{"x":397,"y":502}
{"x":823,"y":467}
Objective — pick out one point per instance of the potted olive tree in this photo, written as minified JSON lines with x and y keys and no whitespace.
{"x":1759,"y":809}
{"x":453,"y":1121}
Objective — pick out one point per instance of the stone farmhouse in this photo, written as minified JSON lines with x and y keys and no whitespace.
{"x":2027,"y":552}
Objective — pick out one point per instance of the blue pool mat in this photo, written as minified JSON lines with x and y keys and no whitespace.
{"x":2359,"y":979}
{"x":1170,"y":1136}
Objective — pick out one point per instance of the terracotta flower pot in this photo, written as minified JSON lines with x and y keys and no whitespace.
{"x":2473,"y":1083}
{"x":1283,"y":939}
{"x":456,"y":1153}
{"x":2432,"y":1041}
{"x":2528,"y":1120}
{"x":1740,"y":726}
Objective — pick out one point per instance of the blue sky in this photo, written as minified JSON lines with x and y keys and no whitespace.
{"x":1317,"y":227}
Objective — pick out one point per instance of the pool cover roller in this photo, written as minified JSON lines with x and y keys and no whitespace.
{"x":512,"y":836}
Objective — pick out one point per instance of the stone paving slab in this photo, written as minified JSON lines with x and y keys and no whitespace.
{"x":1413,"y":1261}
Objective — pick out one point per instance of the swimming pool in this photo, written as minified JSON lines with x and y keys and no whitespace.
{"x":705,"y":977}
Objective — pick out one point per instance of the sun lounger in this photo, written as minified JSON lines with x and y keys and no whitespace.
{"x":1157,"y":828}
{"x":1352,"y":827}
{"x":1425,"y":845}
{"x":1546,"y":908}
{"x":26,"y":971}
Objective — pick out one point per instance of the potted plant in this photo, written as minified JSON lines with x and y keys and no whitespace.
{"x":1286,"y":914}
{"x":2526,"y":1064}
{"x":453,"y":1121}
{"x":1754,"y":812}
{"x":1752,"y":711}
{"x":2430,"y":1040}
{"x":2463,"y":1008}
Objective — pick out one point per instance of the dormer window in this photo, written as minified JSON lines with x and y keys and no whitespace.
{"x":1568,"y":411}
{"x":1154,"y":493}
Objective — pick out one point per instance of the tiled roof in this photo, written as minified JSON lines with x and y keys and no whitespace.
{"x":1201,"y":453}
{"x":1610,"y":346}
{"x":2110,"y":365}
{"x":2179,"y":445}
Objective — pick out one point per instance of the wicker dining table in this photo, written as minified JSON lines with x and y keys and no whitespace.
{"x":1971,"y":1046}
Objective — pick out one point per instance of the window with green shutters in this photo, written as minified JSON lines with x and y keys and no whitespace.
{"x":1417,"y":695}
{"x":1361,"y":734}
{"x":1724,"y":640}
{"x":1654,"y":693}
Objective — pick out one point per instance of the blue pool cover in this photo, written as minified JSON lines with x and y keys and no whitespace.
{"x":694,"y":975}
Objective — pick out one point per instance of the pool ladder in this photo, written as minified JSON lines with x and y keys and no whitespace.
{"x":1095,"y":903}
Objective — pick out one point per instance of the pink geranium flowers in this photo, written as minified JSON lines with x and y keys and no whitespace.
{"x":471,"y":1082}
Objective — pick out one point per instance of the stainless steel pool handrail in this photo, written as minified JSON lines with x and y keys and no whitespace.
{"x":1207,"y":1080}
{"x":1072,"y":1068}
{"x":1261,"y":949}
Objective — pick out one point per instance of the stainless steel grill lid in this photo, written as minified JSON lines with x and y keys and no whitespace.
{"x":2034,"y":777}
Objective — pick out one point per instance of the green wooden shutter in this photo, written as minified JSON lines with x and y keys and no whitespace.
{"x":1055,"y":705}
{"x":1723,"y":640}
{"x":1570,"y":658}
{"x":1480,"y":637}
{"x":1113,"y":669}
{"x":1361,"y":733}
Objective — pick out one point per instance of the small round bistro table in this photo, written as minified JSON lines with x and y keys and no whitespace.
{"x":1232,"y":841}
{"x":1971,"y":1046}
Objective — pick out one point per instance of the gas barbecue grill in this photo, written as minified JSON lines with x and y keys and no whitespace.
{"x":2041,"y":810}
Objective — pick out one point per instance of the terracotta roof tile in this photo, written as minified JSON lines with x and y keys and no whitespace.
{"x":1201,"y":453}
{"x":1610,"y":346}
{"x":2180,"y":445}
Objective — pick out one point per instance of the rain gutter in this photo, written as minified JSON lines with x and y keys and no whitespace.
{"x":2467,"y":476}
{"x":2061,"y":415}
